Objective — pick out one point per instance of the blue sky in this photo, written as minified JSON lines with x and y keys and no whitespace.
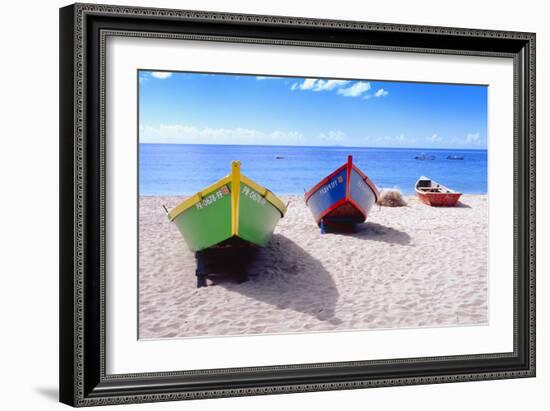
{"x":194,"y":108}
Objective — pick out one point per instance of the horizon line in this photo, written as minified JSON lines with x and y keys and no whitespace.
{"x":329,"y":146}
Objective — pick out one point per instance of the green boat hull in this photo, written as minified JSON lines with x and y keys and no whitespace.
{"x":217,"y":214}
{"x":206,"y":223}
{"x":257,"y":217}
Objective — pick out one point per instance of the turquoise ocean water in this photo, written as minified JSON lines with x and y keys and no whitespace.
{"x":182,"y":169}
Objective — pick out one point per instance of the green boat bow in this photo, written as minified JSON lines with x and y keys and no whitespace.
{"x":233,"y":208}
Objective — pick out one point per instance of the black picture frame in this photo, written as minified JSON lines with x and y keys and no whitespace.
{"x":83,"y":29}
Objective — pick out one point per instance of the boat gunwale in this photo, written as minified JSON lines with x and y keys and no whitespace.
{"x":267,"y":194}
{"x":365,"y":178}
{"x":195,"y":198}
{"x":317,"y":186}
{"x":198,"y":196}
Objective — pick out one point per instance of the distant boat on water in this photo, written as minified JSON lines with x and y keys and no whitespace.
{"x":344,"y":197}
{"x":434,"y":194}
{"x":455,"y":157}
{"x":423,"y":156}
{"x":278,"y":157}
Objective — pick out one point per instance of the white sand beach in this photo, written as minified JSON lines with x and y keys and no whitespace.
{"x":413,"y":266}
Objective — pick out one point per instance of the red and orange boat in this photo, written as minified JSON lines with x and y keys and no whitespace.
{"x":344,"y":197}
{"x":434,"y":194}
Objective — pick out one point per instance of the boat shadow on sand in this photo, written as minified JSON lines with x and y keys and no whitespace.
{"x":375,"y":232}
{"x":460,"y":204}
{"x":284,"y":275}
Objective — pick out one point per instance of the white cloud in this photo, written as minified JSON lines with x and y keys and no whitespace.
{"x":314,"y":84}
{"x":399,"y":140}
{"x":342,"y":87}
{"x":326,"y":85}
{"x":355,"y":90}
{"x":161,"y":74}
{"x":186,"y":134}
{"x":435,"y":138}
{"x":474,"y":139}
{"x":285,"y":136}
{"x":332,"y":137}
{"x":400,"y":137}
{"x":308,"y":84}
{"x":379,"y":93}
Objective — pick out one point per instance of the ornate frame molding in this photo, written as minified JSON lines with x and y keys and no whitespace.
{"x":82,"y":336}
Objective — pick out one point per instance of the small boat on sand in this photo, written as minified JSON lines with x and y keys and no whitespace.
{"x":434,"y":194}
{"x":233,"y":210}
{"x":344,"y":197}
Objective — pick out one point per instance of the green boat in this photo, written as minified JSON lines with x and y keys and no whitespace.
{"x":234,"y":209}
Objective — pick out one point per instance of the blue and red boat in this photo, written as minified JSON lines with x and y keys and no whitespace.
{"x":343,"y":198}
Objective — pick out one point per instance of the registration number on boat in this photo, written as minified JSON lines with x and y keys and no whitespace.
{"x":253,"y":195}
{"x":212,"y":198}
{"x":326,"y":188}
{"x":363,"y":186}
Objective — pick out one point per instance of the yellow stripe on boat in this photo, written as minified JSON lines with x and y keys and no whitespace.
{"x":235,"y":193}
{"x":194,"y":199}
{"x":265,"y":193}
{"x":234,"y":178}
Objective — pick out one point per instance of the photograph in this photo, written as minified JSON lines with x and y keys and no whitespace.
{"x":290,"y":204}
{"x":284,"y":201}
